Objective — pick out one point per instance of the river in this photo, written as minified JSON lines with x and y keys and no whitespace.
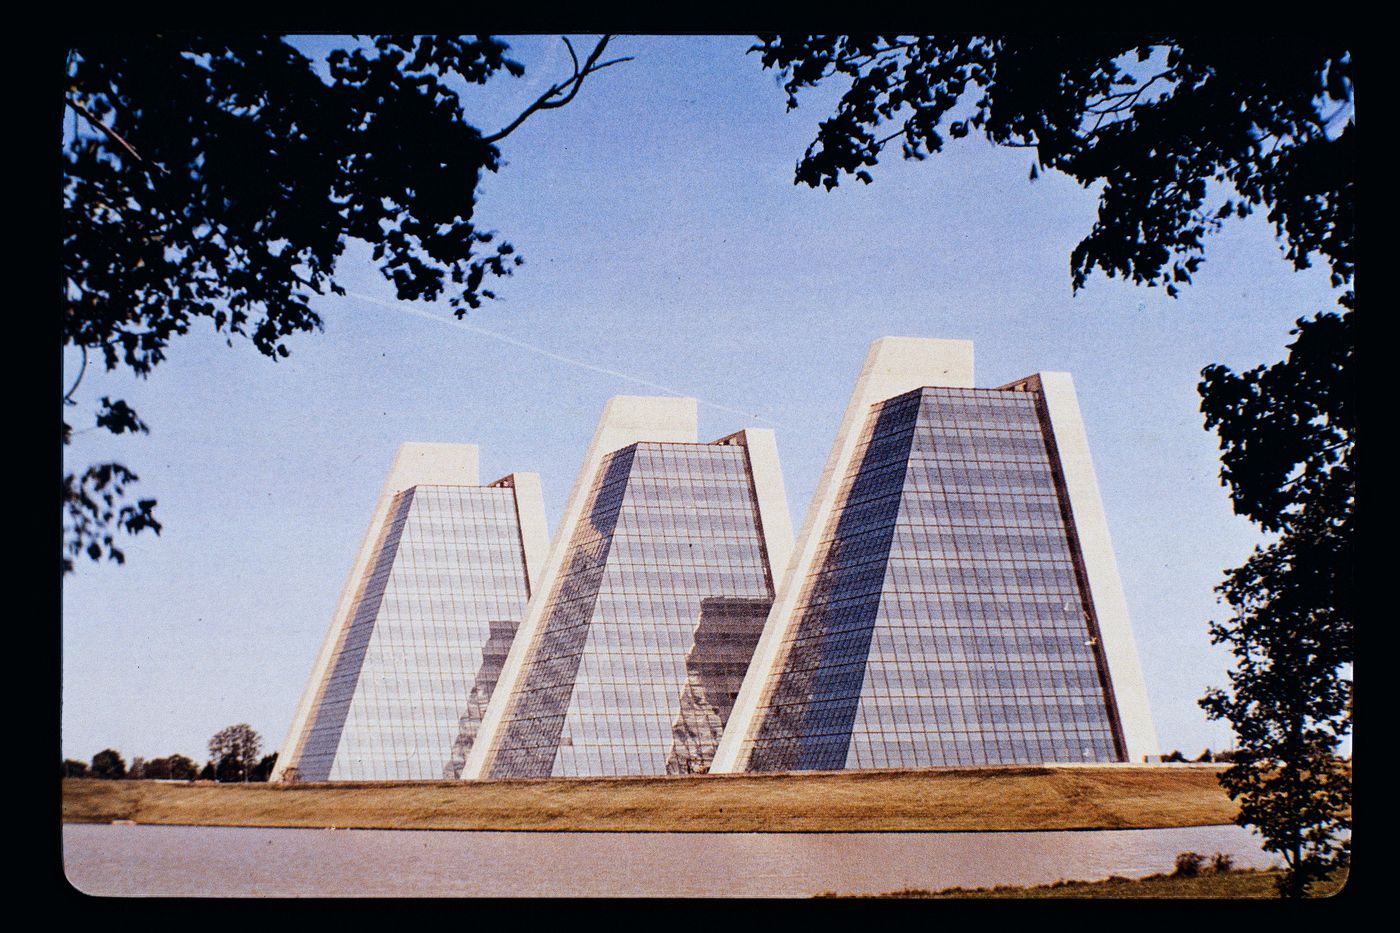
{"x":204,"y":861}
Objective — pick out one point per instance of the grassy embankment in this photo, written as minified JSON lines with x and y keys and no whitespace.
{"x":1225,"y":885}
{"x":977,"y":800}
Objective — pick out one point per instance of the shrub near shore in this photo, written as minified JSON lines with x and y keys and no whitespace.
{"x":1227,"y":885}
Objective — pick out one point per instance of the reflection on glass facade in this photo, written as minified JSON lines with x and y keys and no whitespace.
{"x":945,"y":621}
{"x":429,"y":630}
{"x":651,"y":623}
{"x":714,"y":671}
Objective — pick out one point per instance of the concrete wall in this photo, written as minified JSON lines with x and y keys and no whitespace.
{"x":534,"y":530}
{"x":774,"y":519}
{"x":1100,"y":567}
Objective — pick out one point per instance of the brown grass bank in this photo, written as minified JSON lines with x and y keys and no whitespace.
{"x":937,"y":800}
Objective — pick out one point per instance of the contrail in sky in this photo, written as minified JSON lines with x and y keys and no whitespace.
{"x":406,"y":308}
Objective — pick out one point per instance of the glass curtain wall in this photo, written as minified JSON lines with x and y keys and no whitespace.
{"x":946,"y":622}
{"x":446,"y":590}
{"x":651,"y":624}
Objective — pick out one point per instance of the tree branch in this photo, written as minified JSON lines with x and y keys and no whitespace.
{"x":568,"y":88}
{"x":112,"y":135}
{"x":862,"y":60}
{"x":68,"y":397}
{"x":1127,"y":100}
{"x":880,"y":143}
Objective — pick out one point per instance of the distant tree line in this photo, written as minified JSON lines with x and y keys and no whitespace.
{"x":234,"y":756}
{"x":1205,"y":756}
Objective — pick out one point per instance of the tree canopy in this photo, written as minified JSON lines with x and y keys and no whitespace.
{"x":1183,"y":134}
{"x":109,"y":764}
{"x":217,"y":180}
{"x":175,"y":767}
{"x":263,"y":771}
{"x":234,"y":752}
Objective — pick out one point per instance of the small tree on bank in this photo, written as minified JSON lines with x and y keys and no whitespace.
{"x":182,"y":768}
{"x":1287,"y":702}
{"x":1290,"y":711}
{"x":234,"y":752}
{"x":109,"y":764}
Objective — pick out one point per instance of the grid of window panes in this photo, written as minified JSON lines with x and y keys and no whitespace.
{"x":807,"y":720}
{"x":449,"y":573}
{"x":981,"y":651}
{"x":725,"y":640}
{"x":328,"y":716}
{"x":493,"y":660}
{"x":675,"y":527}
{"x":530,"y":731}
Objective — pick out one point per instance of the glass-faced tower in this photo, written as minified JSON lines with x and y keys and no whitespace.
{"x":651,"y":604}
{"x":954,"y":599}
{"x":417,"y":644}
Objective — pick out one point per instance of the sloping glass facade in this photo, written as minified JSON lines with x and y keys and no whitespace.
{"x":945,"y":621}
{"x":649,"y":625}
{"x":431,"y":624}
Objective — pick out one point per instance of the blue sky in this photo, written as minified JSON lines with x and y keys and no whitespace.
{"x":664,"y":241}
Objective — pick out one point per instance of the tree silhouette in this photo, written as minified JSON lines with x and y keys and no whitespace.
{"x":1184,"y":134}
{"x":109,"y":764}
{"x":1287,"y":703}
{"x":234,"y":752}
{"x":1288,"y":434}
{"x":176,"y":767}
{"x":264,"y":768}
{"x":219,"y":180}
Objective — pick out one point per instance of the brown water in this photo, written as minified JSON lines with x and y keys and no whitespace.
{"x":198,"y":861}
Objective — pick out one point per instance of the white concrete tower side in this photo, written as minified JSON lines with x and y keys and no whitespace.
{"x":1100,"y":566}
